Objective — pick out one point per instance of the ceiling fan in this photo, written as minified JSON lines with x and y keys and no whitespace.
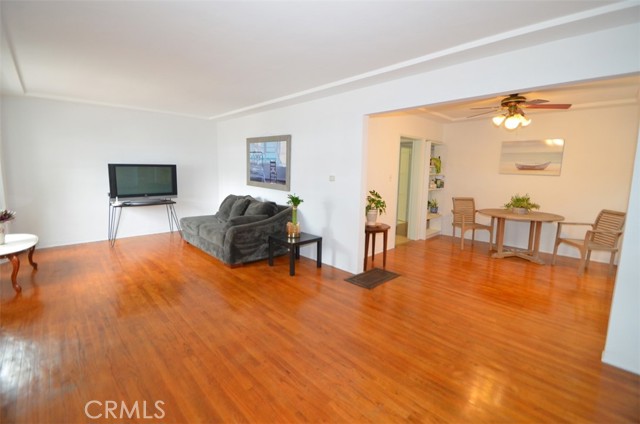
{"x":511,"y":110}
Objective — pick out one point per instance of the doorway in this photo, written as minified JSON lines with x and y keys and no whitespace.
{"x":404,"y":190}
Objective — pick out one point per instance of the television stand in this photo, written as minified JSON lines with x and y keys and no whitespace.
{"x":115,"y":211}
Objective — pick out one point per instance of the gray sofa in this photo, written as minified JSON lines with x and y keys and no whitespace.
{"x":239,"y":232}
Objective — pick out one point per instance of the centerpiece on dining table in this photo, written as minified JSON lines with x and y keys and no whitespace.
{"x":521,"y":204}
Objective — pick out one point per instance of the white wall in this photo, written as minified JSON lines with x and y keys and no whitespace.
{"x":383,"y":146}
{"x":326,"y":141}
{"x":55,"y":157}
{"x":3,"y":201}
{"x":623,"y":336}
{"x":596,"y":169}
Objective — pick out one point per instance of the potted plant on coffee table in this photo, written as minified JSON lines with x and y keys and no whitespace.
{"x":375,"y":206}
{"x":521,"y":204}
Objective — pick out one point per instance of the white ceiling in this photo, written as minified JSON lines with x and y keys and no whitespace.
{"x":211,"y":59}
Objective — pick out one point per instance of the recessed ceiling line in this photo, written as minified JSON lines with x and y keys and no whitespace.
{"x":12,"y":53}
{"x":114,"y":105}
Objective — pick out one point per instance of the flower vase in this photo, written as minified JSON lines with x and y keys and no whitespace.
{"x":293,"y":230}
{"x":293,"y":227}
{"x":2,"y":232}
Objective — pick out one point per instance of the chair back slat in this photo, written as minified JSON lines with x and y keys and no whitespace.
{"x":608,"y":220}
{"x":464,"y":206}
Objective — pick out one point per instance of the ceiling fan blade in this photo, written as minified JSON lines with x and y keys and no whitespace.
{"x":548,"y":106}
{"x":535,"y":101}
{"x":482,"y":113}
{"x":486,"y":107}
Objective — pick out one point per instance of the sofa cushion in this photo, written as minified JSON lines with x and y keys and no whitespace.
{"x":239,"y":206}
{"x":214,"y":231}
{"x":261,"y":208}
{"x":246,"y":219}
{"x":192,"y":224}
{"x":226,"y":205}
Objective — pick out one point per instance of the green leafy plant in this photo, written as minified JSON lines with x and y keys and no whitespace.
{"x":375,"y":202}
{"x":6,"y":215}
{"x":524,"y":202}
{"x":294,"y":200}
{"x":433,"y":203}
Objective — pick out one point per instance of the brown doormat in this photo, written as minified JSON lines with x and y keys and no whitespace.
{"x":372,"y":278}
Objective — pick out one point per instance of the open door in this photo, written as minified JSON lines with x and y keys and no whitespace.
{"x":405,"y":167}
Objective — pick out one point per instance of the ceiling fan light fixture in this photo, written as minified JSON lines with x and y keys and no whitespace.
{"x":498,"y":119}
{"x":512,"y":122}
{"x":513,"y":119}
{"x":511,"y":113}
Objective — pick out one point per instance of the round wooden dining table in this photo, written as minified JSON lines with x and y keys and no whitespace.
{"x":536,"y":219}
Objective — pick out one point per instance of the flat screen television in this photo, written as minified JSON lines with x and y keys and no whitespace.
{"x":142,"y":181}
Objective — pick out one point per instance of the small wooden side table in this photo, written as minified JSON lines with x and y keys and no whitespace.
{"x":13,"y":246}
{"x":371,"y":231}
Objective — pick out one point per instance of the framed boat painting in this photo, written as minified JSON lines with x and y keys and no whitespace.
{"x":532,"y":157}
{"x":269,"y":162}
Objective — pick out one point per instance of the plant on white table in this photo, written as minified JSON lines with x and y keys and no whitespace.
{"x":5,"y":215}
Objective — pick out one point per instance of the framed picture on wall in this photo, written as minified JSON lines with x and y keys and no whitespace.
{"x":269,"y":162}
{"x":532,"y":157}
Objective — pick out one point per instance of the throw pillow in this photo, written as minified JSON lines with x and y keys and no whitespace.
{"x":239,"y":206}
{"x":225,"y":207}
{"x":261,"y":208}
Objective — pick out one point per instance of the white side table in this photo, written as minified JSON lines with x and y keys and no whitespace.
{"x":14,"y":245}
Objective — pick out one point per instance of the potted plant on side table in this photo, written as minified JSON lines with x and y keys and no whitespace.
{"x":293,"y":227}
{"x":375,"y":206}
{"x":521,"y":204}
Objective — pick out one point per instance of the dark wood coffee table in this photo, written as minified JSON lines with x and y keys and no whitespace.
{"x":293,"y":244}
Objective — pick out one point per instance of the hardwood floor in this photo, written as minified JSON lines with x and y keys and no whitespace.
{"x":155,"y":331}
